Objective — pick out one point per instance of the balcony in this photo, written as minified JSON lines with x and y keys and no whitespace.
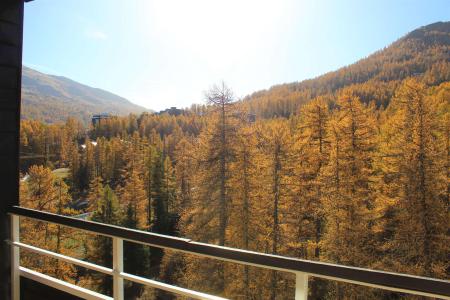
{"x":303,"y":269}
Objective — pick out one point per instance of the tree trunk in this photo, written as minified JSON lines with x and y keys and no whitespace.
{"x":276,"y":198}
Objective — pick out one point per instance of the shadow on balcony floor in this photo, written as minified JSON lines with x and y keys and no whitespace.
{"x":32,"y":290}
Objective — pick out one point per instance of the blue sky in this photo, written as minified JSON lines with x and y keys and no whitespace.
{"x":167,"y":53}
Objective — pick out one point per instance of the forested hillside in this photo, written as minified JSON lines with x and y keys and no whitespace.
{"x":422,"y":53}
{"x":52,"y":99}
{"x":350,"y":168}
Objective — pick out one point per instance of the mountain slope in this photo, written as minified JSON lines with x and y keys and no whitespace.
{"x":54,"y":98}
{"x":424,"y":52}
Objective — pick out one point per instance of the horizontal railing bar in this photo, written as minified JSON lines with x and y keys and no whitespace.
{"x":380,"y":279}
{"x":62,"y":285}
{"x":169,"y":288}
{"x":108,"y":271}
{"x":392,"y":289}
{"x":65,"y":258}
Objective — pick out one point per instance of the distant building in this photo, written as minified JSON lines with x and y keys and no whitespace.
{"x":97,"y":118}
{"x":251,"y":118}
{"x":173,"y":111}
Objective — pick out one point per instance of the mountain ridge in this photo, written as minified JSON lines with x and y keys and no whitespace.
{"x":52,"y":98}
{"x":422,"y":52}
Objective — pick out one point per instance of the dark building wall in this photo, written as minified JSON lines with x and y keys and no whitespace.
{"x":11,"y":32}
{"x":11,"y":26}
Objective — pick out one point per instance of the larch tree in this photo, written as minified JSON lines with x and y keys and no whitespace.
{"x":74,"y":166}
{"x":183,"y":173}
{"x":133,"y":201}
{"x":95,"y":193}
{"x":243,"y":223}
{"x":148,"y":173}
{"x":41,"y":190}
{"x":347,"y":195}
{"x":163,"y":194}
{"x":414,"y":182}
{"x":45,"y":192}
{"x":275,"y":142}
{"x":63,"y":199}
{"x":220,"y":98}
{"x":99,"y":249}
{"x":87,"y":164}
{"x":169,"y":188}
{"x":310,"y":155}
{"x":207,"y":217}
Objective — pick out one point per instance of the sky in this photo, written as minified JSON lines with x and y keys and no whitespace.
{"x":164,"y":53}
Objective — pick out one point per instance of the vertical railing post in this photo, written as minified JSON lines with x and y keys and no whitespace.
{"x":15,"y":258}
{"x":118,"y":268}
{"x":301,"y":286}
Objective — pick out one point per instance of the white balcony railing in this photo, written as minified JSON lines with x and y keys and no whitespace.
{"x":301,"y":268}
